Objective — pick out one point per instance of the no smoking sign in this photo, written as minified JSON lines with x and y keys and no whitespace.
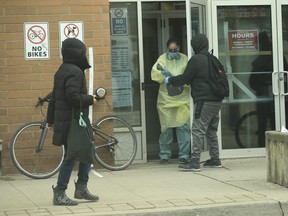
{"x":72,"y":29}
{"x":36,"y":38}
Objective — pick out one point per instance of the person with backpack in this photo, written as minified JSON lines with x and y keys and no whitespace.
{"x":207,"y":104}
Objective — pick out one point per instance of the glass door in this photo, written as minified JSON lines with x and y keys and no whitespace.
{"x":196,"y":13}
{"x":247,"y":44}
{"x":175,"y":25}
{"x":280,"y":76}
{"x":197,"y":16}
{"x":160,"y":21}
{"x":151,"y":23}
{"x":125,"y":68}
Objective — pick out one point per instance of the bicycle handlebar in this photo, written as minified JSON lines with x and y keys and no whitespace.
{"x":41,"y":101}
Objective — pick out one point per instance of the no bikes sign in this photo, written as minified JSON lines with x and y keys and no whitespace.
{"x":36,"y":38}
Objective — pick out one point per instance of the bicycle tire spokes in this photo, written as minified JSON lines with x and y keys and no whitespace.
{"x":118,"y":148}
{"x":33,"y":154}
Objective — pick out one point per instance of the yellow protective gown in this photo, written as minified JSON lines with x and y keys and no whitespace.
{"x":173,"y":110}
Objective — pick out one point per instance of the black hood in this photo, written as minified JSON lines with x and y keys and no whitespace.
{"x":199,"y":43}
{"x":74,"y":52}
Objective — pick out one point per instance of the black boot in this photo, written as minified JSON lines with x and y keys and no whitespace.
{"x":81,"y":192}
{"x":60,"y":198}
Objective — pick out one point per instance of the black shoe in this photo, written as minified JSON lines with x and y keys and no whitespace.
{"x":183,"y":161}
{"x":164,"y":161}
{"x":60,"y":198}
{"x":192,"y":166}
{"x":81,"y":192}
{"x":215,"y":163}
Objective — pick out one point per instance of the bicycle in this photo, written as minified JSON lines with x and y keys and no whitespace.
{"x":34,"y":155}
{"x":247,"y":133}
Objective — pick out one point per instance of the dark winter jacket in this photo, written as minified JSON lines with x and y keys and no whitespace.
{"x":69,"y":84}
{"x":197,"y":71}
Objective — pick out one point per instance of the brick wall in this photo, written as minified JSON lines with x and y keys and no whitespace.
{"x":22,"y":81}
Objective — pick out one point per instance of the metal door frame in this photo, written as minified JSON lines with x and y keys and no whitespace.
{"x":142,"y":128}
{"x":205,"y":28}
{"x":280,"y":80}
{"x":231,"y":153}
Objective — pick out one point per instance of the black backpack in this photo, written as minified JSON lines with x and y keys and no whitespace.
{"x":217,"y":80}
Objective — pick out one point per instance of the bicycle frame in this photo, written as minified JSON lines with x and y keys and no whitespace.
{"x":44,"y":131}
{"x":111,"y":140}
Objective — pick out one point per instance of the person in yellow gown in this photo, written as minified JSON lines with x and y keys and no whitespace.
{"x":173,"y":110}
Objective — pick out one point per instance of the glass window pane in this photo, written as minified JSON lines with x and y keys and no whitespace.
{"x":285,"y":35}
{"x":125,"y":62}
{"x":245,"y":49}
{"x":198,"y":19}
{"x":285,"y":54}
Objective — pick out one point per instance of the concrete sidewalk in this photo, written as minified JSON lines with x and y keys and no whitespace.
{"x":239,"y":188}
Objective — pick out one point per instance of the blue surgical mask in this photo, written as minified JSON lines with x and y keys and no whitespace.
{"x":173,"y":55}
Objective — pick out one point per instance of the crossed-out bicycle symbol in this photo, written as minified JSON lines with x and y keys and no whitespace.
{"x":36,"y":34}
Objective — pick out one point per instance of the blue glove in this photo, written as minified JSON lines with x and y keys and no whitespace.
{"x":164,"y":72}
{"x":166,"y":80}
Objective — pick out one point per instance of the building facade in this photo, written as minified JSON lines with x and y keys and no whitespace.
{"x":27,"y":74}
{"x":125,"y":39}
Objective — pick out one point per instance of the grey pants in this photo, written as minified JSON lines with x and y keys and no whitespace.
{"x":205,"y":123}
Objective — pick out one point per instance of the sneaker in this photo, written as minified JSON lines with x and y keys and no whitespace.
{"x":190,"y":167}
{"x":215,"y":163}
{"x":183,"y":161}
{"x":164,"y":161}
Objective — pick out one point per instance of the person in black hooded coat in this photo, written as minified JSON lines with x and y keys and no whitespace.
{"x":206,"y":105}
{"x":69,"y":85}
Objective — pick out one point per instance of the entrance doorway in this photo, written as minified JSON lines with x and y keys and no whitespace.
{"x":251,"y":42}
{"x":184,"y":19}
{"x":161,"y":21}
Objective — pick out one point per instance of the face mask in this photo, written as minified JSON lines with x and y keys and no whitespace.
{"x":173,"y":55}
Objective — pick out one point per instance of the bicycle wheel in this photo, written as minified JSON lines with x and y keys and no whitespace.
{"x":37,"y":164}
{"x":246,"y":131}
{"x":115,"y":142}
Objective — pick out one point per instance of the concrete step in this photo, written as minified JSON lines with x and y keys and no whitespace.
{"x":263,"y":209}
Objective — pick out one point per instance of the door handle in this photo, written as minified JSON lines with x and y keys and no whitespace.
{"x":275,"y":88}
{"x":282,"y":79}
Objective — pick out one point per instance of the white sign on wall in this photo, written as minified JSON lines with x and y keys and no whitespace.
{"x":36,"y":40}
{"x":70,"y":29}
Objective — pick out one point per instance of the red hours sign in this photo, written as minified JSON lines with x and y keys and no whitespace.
{"x":243,"y":40}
